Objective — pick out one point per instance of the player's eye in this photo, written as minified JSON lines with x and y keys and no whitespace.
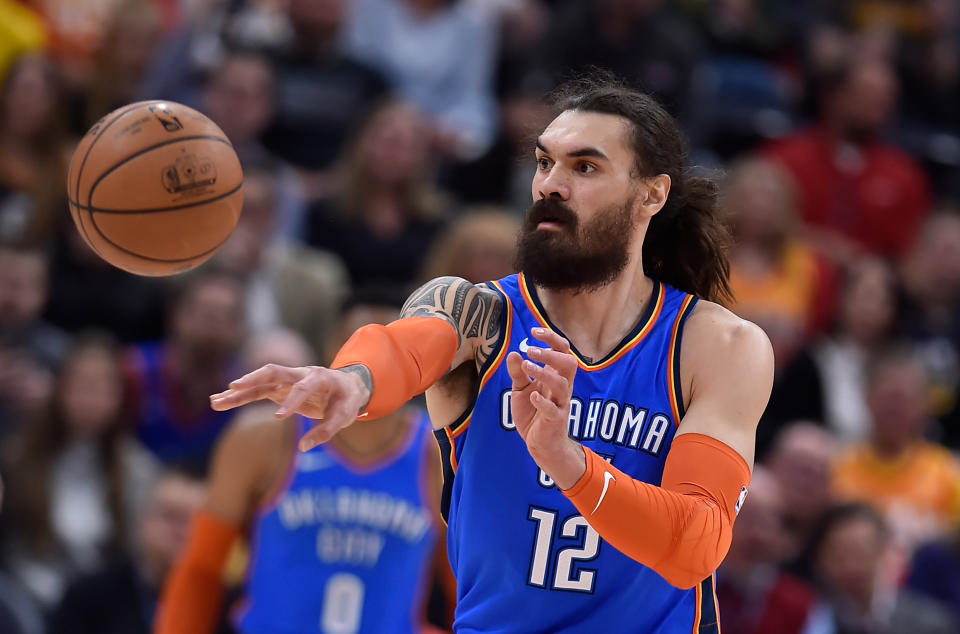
{"x":543,"y":164}
{"x":586,"y":168}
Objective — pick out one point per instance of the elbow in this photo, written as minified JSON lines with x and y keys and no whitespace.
{"x":686,"y":579}
{"x":688,"y":566}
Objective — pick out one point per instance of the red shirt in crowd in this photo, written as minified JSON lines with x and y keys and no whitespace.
{"x":873,"y":194}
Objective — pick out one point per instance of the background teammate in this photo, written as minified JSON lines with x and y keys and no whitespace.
{"x":341,"y":537}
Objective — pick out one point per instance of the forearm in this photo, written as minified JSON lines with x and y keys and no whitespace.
{"x":681,"y":529}
{"x":193,"y":593}
{"x":398,"y":361}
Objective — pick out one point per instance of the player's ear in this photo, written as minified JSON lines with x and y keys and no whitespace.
{"x":654,"y":194}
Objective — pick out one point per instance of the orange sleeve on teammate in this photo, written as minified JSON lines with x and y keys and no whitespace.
{"x":680,"y":529}
{"x":193,"y":593}
{"x":404,"y":357}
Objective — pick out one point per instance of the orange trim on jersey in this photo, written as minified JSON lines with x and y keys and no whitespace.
{"x":716,"y":602}
{"x":696,"y":613}
{"x":675,"y":404}
{"x":624,"y":348}
{"x":488,"y":371}
{"x":453,"y":449}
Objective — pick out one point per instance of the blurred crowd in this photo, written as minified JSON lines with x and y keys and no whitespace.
{"x":385,"y":142}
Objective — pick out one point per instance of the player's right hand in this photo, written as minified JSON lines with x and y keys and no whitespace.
{"x":331,"y":397}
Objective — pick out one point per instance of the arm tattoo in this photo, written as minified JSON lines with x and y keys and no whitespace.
{"x":473,"y":310}
{"x":365,"y":376}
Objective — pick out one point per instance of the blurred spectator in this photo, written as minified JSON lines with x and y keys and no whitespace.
{"x":502,"y":175}
{"x":743,"y":28}
{"x":776,"y":279}
{"x":478,"y":246}
{"x":34,"y":149}
{"x":122,"y":59}
{"x":929,"y":311}
{"x":30,"y":348}
{"x":756,"y":595}
{"x":248,"y":78}
{"x":171,"y":380}
{"x":931,"y":65}
{"x":86,"y":292}
{"x":24,"y":284}
{"x":935,"y":572}
{"x":638,"y":40}
{"x":856,"y":191}
{"x":388,"y":211}
{"x":21,"y":30}
{"x":827,"y":381}
{"x":78,"y":30}
{"x":78,"y":479}
{"x":846,"y":554}
{"x":440,"y":56}
{"x":120,"y":597}
{"x":799,"y":461}
{"x":296,"y":286}
{"x":322,"y":94}
{"x":914,"y":483}
{"x":238,"y":96}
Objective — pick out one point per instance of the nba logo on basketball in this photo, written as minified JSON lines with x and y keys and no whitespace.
{"x":188,"y":174}
{"x":166,"y":118}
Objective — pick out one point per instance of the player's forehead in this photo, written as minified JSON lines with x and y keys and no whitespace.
{"x":573,"y":130}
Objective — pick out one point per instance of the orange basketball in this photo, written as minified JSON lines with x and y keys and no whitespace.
{"x":155,"y":188}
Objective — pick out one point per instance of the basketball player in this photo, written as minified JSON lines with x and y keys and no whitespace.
{"x":597,"y":412}
{"x":341,"y":537}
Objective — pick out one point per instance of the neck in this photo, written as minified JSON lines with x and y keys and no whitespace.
{"x":595,"y":321}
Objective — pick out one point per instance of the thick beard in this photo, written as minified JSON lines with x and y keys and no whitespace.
{"x":583,"y":259}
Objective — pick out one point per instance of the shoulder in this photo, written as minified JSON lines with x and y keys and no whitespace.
{"x":713,"y":330}
{"x":254,"y":425}
{"x":253,"y":440}
{"x":724,"y":354}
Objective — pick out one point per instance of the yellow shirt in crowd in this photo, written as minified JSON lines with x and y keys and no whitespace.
{"x":918,"y":491}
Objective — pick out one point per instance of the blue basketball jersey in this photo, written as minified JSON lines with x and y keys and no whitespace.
{"x":344,"y":548}
{"x":524,"y":559}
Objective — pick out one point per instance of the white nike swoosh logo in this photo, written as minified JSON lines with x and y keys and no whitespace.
{"x":524,"y":346}
{"x":607,"y":479}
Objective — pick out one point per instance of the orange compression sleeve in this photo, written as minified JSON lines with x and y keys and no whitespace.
{"x":193,"y":593}
{"x":404,"y":358}
{"x":680,"y":529}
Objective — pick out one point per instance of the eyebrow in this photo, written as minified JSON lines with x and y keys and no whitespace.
{"x":579,"y":153}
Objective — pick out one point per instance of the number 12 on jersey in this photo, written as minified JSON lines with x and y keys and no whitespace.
{"x":583,"y":546}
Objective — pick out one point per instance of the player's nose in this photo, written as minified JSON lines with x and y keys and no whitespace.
{"x":553,"y":185}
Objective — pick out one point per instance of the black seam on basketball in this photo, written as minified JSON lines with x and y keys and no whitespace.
{"x":152,"y":259}
{"x":82,"y":228}
{"x":83,"y":163}
{"x":153,"y":210}
{"x":193,"y":137}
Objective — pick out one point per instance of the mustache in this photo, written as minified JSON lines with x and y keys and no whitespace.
{"x":550,"y":210}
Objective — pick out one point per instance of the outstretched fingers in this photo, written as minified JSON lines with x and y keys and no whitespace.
{"x":268,"y":374}
{"x":338,"y":417}
{"x":232,"y":398}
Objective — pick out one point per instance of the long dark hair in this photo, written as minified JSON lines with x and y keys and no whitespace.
{"x":687,"y":241}
{"x":31,"y":455}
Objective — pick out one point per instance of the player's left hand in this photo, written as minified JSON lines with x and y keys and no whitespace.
{"x":540,"y":406}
